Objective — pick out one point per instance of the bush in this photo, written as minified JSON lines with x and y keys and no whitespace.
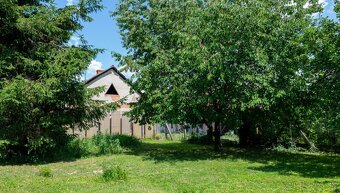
{"x":40,"y":148}
{"x":289,"y":147}
{"x":77,"y":148}
{"x":74,"y":147}
{"x":34,"y":150}
{"x":45,"y":172}
{"x":127,"y":140}
{"x":97,"y":145}
{"x":113,"y":173}
{"x":107,"y":144}
{"x":3,"y":149}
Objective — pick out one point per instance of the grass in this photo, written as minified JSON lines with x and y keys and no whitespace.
{"x":164,"y":166}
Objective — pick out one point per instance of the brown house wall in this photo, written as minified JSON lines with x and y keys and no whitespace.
{"x":120,"y":124}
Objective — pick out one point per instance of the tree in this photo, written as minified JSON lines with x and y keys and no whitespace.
{"x":231,"y":63}
{"x":321,"y":44}
{"x":41,"y":93}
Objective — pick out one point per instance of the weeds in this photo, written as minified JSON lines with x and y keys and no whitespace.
{"x":291,"y":147}
{"x":106,"y":144}
{"x":45,"y":172}
{"x":113,"y":173}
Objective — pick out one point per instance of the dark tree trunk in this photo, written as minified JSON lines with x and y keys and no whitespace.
{"x":217,"y":134}
{"x":244,"y":133}
{"x":210,"y":133}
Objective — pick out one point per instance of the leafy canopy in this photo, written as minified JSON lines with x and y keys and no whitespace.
{"x":235,"y":63}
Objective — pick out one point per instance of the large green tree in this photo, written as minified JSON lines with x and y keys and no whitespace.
{"x":321,"y":44}
{"x":233,"y":63}
{"x":41,"y":92}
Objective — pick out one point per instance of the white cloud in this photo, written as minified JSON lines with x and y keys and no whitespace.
{"x":70,"y":2}
{"x":94,"y":65}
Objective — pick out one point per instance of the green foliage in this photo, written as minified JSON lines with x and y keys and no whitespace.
{"x":290,"y":147}
{"x":45,"y":172}
{"x":97,"y":145}
{"x":41,"y":92}
{"x":114,"y":173}
{"x":263,"y":67}
{"x":127,"y":140}
{"x":106,"y":144}
{"x":3,"y":149}
{"x":77,"y":148}
{"x":321,"y":41}
{"x":101,"y":144}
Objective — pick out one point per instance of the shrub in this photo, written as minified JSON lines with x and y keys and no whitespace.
{"x":77,"y":148}
{"x":289,"y":147}
{"x":113,"y":173}
{"x":3,"y":149}
{"x":100,"y":144}
{"x":97,"y":145}
{"x":106,"y":144}
{"x":127,"y":140}
{"x":45,"y":172}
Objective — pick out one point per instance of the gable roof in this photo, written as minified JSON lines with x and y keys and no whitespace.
{"x":111,"y":68}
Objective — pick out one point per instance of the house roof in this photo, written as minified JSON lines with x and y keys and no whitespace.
{"x":111,"y":68}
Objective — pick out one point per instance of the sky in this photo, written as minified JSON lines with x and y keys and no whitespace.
{"x":103,"y":33}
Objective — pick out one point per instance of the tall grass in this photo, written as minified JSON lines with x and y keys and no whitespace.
{"x":100,"y":144}
{"x":113,"y":173}
{"x":126,"y":141}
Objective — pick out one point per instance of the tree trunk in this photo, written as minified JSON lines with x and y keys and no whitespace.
{"x":168,"y":131}
{"x":217,"y":134}
{"x":305,"y":138}
{"x":210,"y":133}
{"x":244,"y":133}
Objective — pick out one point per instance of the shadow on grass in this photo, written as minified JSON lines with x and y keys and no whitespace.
{"x":23,"y":161}
{"x":306,"y":165}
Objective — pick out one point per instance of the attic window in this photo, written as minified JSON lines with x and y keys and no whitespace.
{"x":112,"y":90}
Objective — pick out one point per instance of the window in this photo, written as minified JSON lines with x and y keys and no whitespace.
{"x":112,"y":90}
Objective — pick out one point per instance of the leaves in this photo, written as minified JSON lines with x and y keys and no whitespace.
{"x":234,"y":62}
{"x":41,"y":93}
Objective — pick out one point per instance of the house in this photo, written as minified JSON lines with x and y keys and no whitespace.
{"x":116,"y":88}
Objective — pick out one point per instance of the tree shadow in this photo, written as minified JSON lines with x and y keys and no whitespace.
{"x":22,"y":161}
{"x":302,"y":164}
{"x":313,"y":166}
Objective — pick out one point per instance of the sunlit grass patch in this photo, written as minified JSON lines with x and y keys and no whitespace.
{"x":172,"y":166}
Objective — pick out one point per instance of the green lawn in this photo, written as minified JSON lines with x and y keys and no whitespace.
{"x":162,"y":166}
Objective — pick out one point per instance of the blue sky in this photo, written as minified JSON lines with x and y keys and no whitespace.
{"x":103,"y":33}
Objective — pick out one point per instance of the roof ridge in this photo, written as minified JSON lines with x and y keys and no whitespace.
{"x":112,"y":67}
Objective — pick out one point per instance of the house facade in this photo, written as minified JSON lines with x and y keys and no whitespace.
{"x":116,"y":122}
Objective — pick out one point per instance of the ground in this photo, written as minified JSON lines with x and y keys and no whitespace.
{"x":164,"y":166}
